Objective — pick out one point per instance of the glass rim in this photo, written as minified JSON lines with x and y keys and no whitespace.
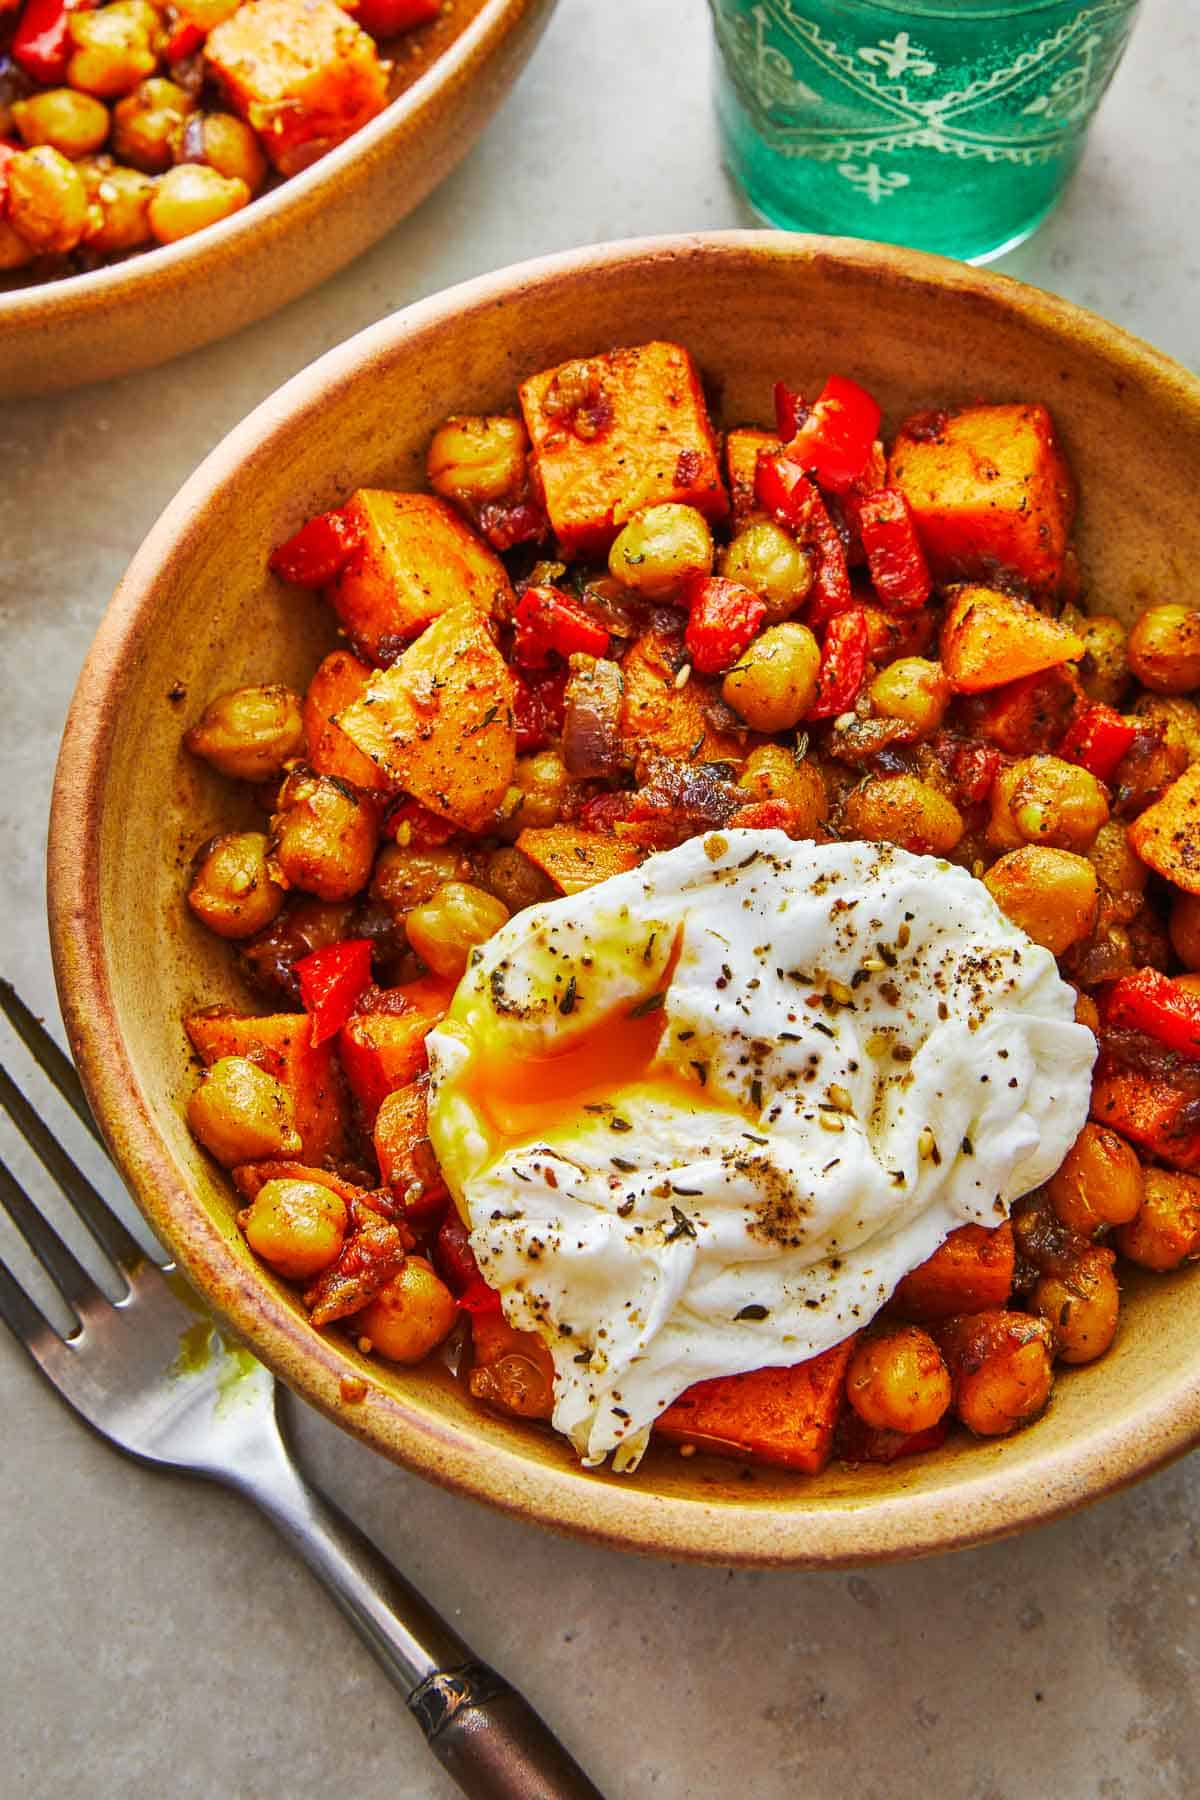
{"x":951,"y":10}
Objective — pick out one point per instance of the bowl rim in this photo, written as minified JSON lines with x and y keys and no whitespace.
{"x":824,"y":1532}
{"x":114,"y":284}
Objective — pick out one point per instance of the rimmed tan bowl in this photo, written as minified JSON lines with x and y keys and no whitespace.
{"x":161,"y":302}
{"x":197,"y":610}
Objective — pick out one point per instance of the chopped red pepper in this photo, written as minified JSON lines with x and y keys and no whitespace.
{"x":42,"y":41}
{"x":387,"y":18}
{"x":318,"y":552}
{"x":783,"y":489}
{"x":505,"y":523}
{"x":456,"y":1264}
{"x":723,"y":617}
{"x":790,"y":411}
{"x":331,"y":981}
{"x":550,"y":623}
{"x":538,"y":708}
{"x":831,"y":591}
{"x":185,"y":40}
{"x":895,"y":559}
{"x":477,"y":1297}
{"x":1150,"y":1002}
{"x":1098,"y":740}
{"x":766,"y":815}
{"x":408,"y":822}
{"x":973,"y":770}
{"x":843,"y":664}
{"x":836,"y":439}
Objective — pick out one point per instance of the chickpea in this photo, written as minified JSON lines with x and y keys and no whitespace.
{"x":914,"y":690}
{"x":323,"y":837}
{"x":1164,"y":649}
{"x":1104,"y":669}
{"x":775,"y":682}
{"x":1120,"y":870}
{"x":773,"y":773}
{"x":445,"y":929}
{"x":250,"y":733}
{"x":242,"y":1114}
{"x":1052,"y":895}
{"x":1082,"y":1306}
{"x":115,"y":47}
{"x":15,"y":253}
{"x":230,"y":146}
{"x":1044,"y":800}
{"x":47,"y":201}
{"x":897,"y":1381}
{"x":410,"y":1315}
{"x":147,"y":122}
{"x":540,"y":787}
{"x":232,"y":892}
{"x":1166,"y":1232}
{"x":513,"y":1371}
{"x":73,"y":124}
{"x":768,"y":560}
{"x":191,"y":196}
{"x":1098,"y":1182}
{"x":1179,"y":719}
{"x":1184,"y":929}
{"x":474,"y":460}
{"x":899,"y":809}
{"x":119,"y":205}
{"x":405,"y":876}
{"x":513,"y":878}
{"x":296,"y":1226}
{"x":1001,"y":1369}
{"x":660,"y":549}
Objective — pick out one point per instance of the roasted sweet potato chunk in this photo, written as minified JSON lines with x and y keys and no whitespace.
{"x":339,"y":681}
{"x":769,"y":1415}
{"x":743,"y":446}
{"x":301,"y":72}
{"x":969,"y":1271}
{"x":989,"y":491}
{"x":687,"y":723}
{"x":404,"y":1153}
{"x":989,"y":639}
{"x":382,"y":1048}
{"x":415,"y":560}
{"x":1150,"y":1111}
{"x":575,"y":859}
{"x":1167,"y":834}
{"x":439,"y":722}
{"x":615,"y":433}
{"x":280,"y":1043}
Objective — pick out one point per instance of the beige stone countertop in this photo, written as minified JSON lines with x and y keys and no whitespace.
{"x":157,"y":1640}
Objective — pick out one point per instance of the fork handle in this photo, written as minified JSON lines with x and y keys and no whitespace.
{"x":484,"y":1733}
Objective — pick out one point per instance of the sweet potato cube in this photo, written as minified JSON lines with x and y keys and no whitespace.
{"x":612,"y":434}
{"x":990,"y":639}
{"x":743,"y":446}
{"x":769,"y":1415}
{"x":383,"y":1048}
{"x":1167,"y":834}
{"x":1150,"y":1111}
{"x":339,"y":681}
{"x":279,"y":1043}
{"x":1027,"y":715}
{"x":416,"y":559}
{"x":405,"y":1155}
{"x":656,"y":715}
{"x":989,"y":490}
{"x":969,"y":1271}
{"x":301,"y":72}
{"x":439,"y":722}
{"x":575,"y":859}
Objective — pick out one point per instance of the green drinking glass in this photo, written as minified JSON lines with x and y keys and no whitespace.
{"x":948,"y":125}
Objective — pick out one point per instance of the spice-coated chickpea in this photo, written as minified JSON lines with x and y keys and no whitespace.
{"x":897,"y":1381}
{"x":118,"y":205}
{"x":1081,"y":1305}
{"x":191,"y":196}
{"x":242,"y":1114}
{"x":410,"y":1315}
{"x":147,"y":122}
{"x":1052,"y":895}
{"x":1164,"y":649}
{"x":772,"y":773}
{"x":455,"y":919}
{"x":405,"y":875}
{"x":1120,"y":870}
{"x":509,"y":874}
{"x":323,"y":836}
{"x":1104,"y":669}
{"x":1001,"y":1369}
{"x":296,"y":1226}
{"x":768,"y":560}
{"x":475,"y":459}
{"x":914,"y":690}
{"x":47,"y":201}
{"x":74,"y":124}
{"x":1098,"y":1183}
{"x":660,"y":549}
{"x":1166,"y":1231}
{"x":774,"y":681}
{"x":250,"y":733}
{"x":229,"y":146}
{"x":900,"y":809}
{"x":1044,"y":800}
{"x":114,"y":48}
{"x":538,"y":793}
{"x":232,"y":891}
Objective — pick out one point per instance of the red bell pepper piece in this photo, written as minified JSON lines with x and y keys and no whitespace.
{"x":456,"y":1264}
{"x":317,"y":554}
{"x":477,"y":1297}
{"x":783,"y":489}
{"x":1098,"y":740}
{"x":765,"y":815}
{"x":331,"y":981}
{"x":973,"y":770}
{"x":843,"y":664}
{"x":895,"y":559}
{"x":550,"y":623}
{"x":387,"y":18}
{"x":505,"y":523}
{"x":790,"y":411}
{"x":42,"y":41}
{"x":836,"y":439}
{"x":538,"y":708}
{"x":408,"y":822}
{"x":1150,"y":1002}
{"x":185,"y":40}
{"x":831,"y":591}
{"x":723,"y":617}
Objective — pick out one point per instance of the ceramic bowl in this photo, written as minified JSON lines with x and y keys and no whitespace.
{"x":197,"y":612}
{"x":161,"y":302}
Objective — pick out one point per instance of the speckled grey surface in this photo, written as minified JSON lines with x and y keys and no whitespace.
{"x":155,"y":1639}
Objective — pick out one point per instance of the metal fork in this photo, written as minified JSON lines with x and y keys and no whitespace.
{"x":122,"y":1371}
